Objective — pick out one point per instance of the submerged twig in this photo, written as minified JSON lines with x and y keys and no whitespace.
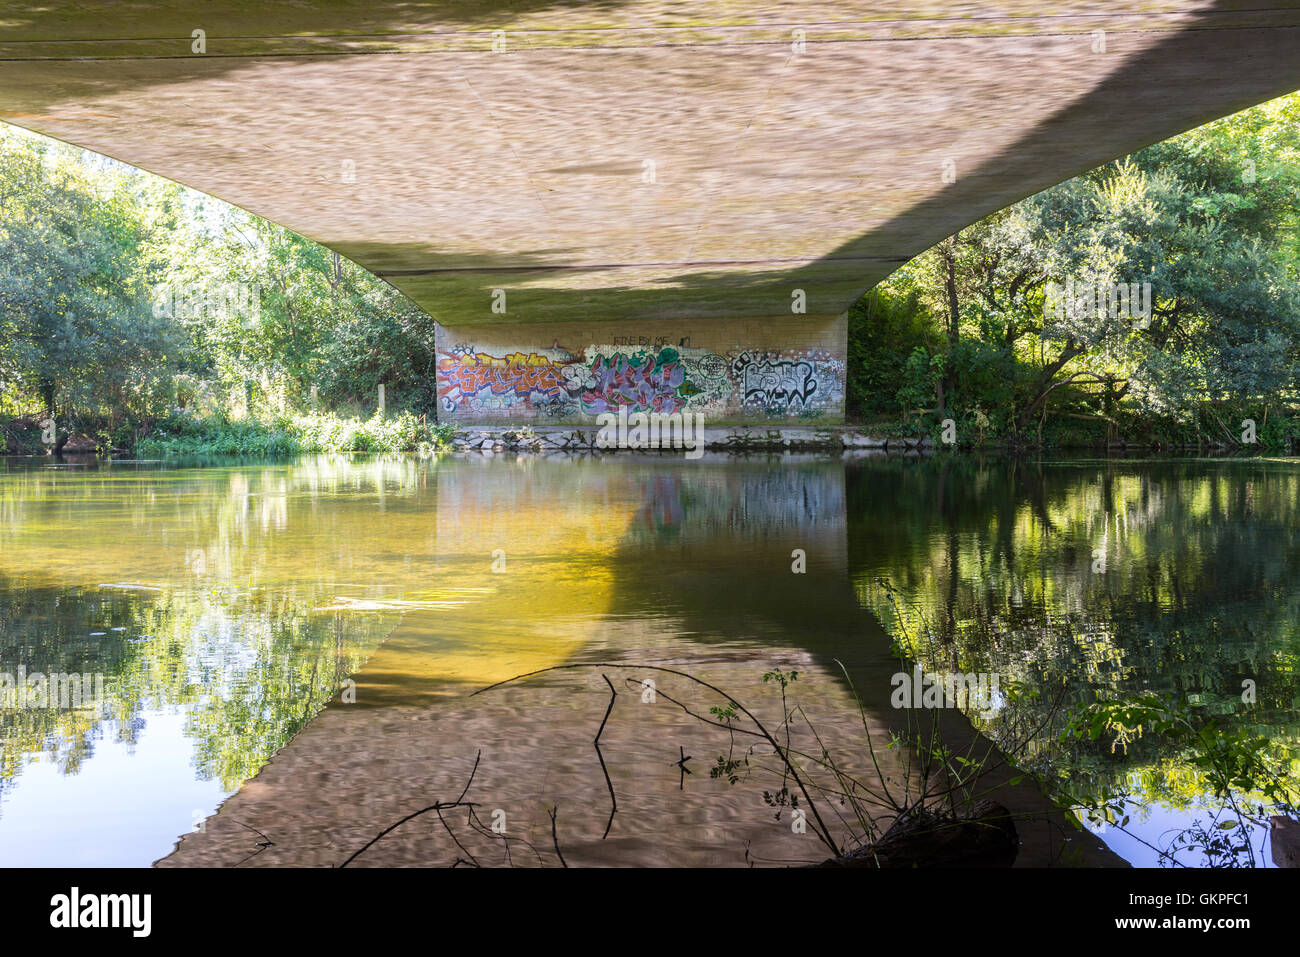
{"x":263,"y":845}
{"x":613,"y":801}
{"x":555,"y":838}
{"x":821,"y":830}
{"x":439,"y":807}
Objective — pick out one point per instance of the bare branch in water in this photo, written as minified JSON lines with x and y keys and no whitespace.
{"x":261,"y":845}
{"x":555,"y":838}
{"x":439,"y":807}
{"x":821,"y":830}
{"x":613,"y":801}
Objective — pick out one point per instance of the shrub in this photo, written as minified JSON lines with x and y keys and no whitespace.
{"x":310,"y":433}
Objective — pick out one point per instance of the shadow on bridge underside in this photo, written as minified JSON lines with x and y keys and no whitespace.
{"x":513,"y":172}
{"x":1196,"y":74}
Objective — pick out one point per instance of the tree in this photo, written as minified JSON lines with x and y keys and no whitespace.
{"x":122,"y":295}
{"x":73,"y":287}
{"x":1206,"y":221}
{"x":305,"y":316}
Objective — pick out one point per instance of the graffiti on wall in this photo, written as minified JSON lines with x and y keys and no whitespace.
{"x":774,"y":383}
{"x":556,"y":383}
{"x":482,"y":381}
{"x":642,"y":382}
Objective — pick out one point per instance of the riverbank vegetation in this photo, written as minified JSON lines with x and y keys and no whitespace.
{"x":1153,"y":300}
{"x":312,"y":432}
{"x":136,"y":314}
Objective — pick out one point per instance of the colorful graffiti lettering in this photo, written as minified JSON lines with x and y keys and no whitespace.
{"x":558,"y":384}
{"x":465,"y":375}
{"x":643,"y":383}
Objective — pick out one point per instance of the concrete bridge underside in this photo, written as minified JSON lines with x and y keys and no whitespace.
{"x":625,"y":178}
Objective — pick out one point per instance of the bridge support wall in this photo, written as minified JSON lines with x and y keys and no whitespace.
{"x":787,"y":370}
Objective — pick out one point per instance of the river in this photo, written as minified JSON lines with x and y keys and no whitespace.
{"x":220,"y":611}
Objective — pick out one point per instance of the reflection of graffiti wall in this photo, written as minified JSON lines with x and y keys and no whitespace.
{"x":717,"y":501}
{"x":505,"y":373}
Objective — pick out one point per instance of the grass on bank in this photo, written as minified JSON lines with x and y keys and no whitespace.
{"x":313,"y":432}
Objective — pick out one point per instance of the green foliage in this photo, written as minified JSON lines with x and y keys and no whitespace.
{"x":920,"y":373}
{"x":1244,"y":772}
{"x":75,"y":263}
{"x":783,"y":678}
{"x":985,"y":371}
{"x":180,"y":435}
{"x":724,"y":714}
{"x":886,"y":327}
{"x":124,"y":298}
{"x":1207,"y":219}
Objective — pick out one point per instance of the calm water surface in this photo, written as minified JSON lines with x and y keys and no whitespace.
{"x":226,"y":606}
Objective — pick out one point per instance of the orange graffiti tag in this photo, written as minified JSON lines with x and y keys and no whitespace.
{"x":521,"y":374}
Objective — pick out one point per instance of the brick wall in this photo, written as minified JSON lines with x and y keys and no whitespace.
{"x":788,"y":369}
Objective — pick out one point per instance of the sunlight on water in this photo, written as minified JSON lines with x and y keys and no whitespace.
{"x":356,"y":603}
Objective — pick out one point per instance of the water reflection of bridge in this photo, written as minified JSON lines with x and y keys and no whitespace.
{"x":620,"y":560}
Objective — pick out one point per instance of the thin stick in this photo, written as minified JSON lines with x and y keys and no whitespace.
{"x":441,"y":805}
{"x":613,"y":801}
{"x":265,"y":843}
{"x":823,"y":833}
{"x":555,"y":838}
{"x":455,"y":840}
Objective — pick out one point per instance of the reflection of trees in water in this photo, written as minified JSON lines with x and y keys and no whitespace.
{"x":248,"y":669}
{"x":1102,"y":579}
{"x":289,"y":662}
{"x":49,"y":632}
{"x":231,"y":638}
